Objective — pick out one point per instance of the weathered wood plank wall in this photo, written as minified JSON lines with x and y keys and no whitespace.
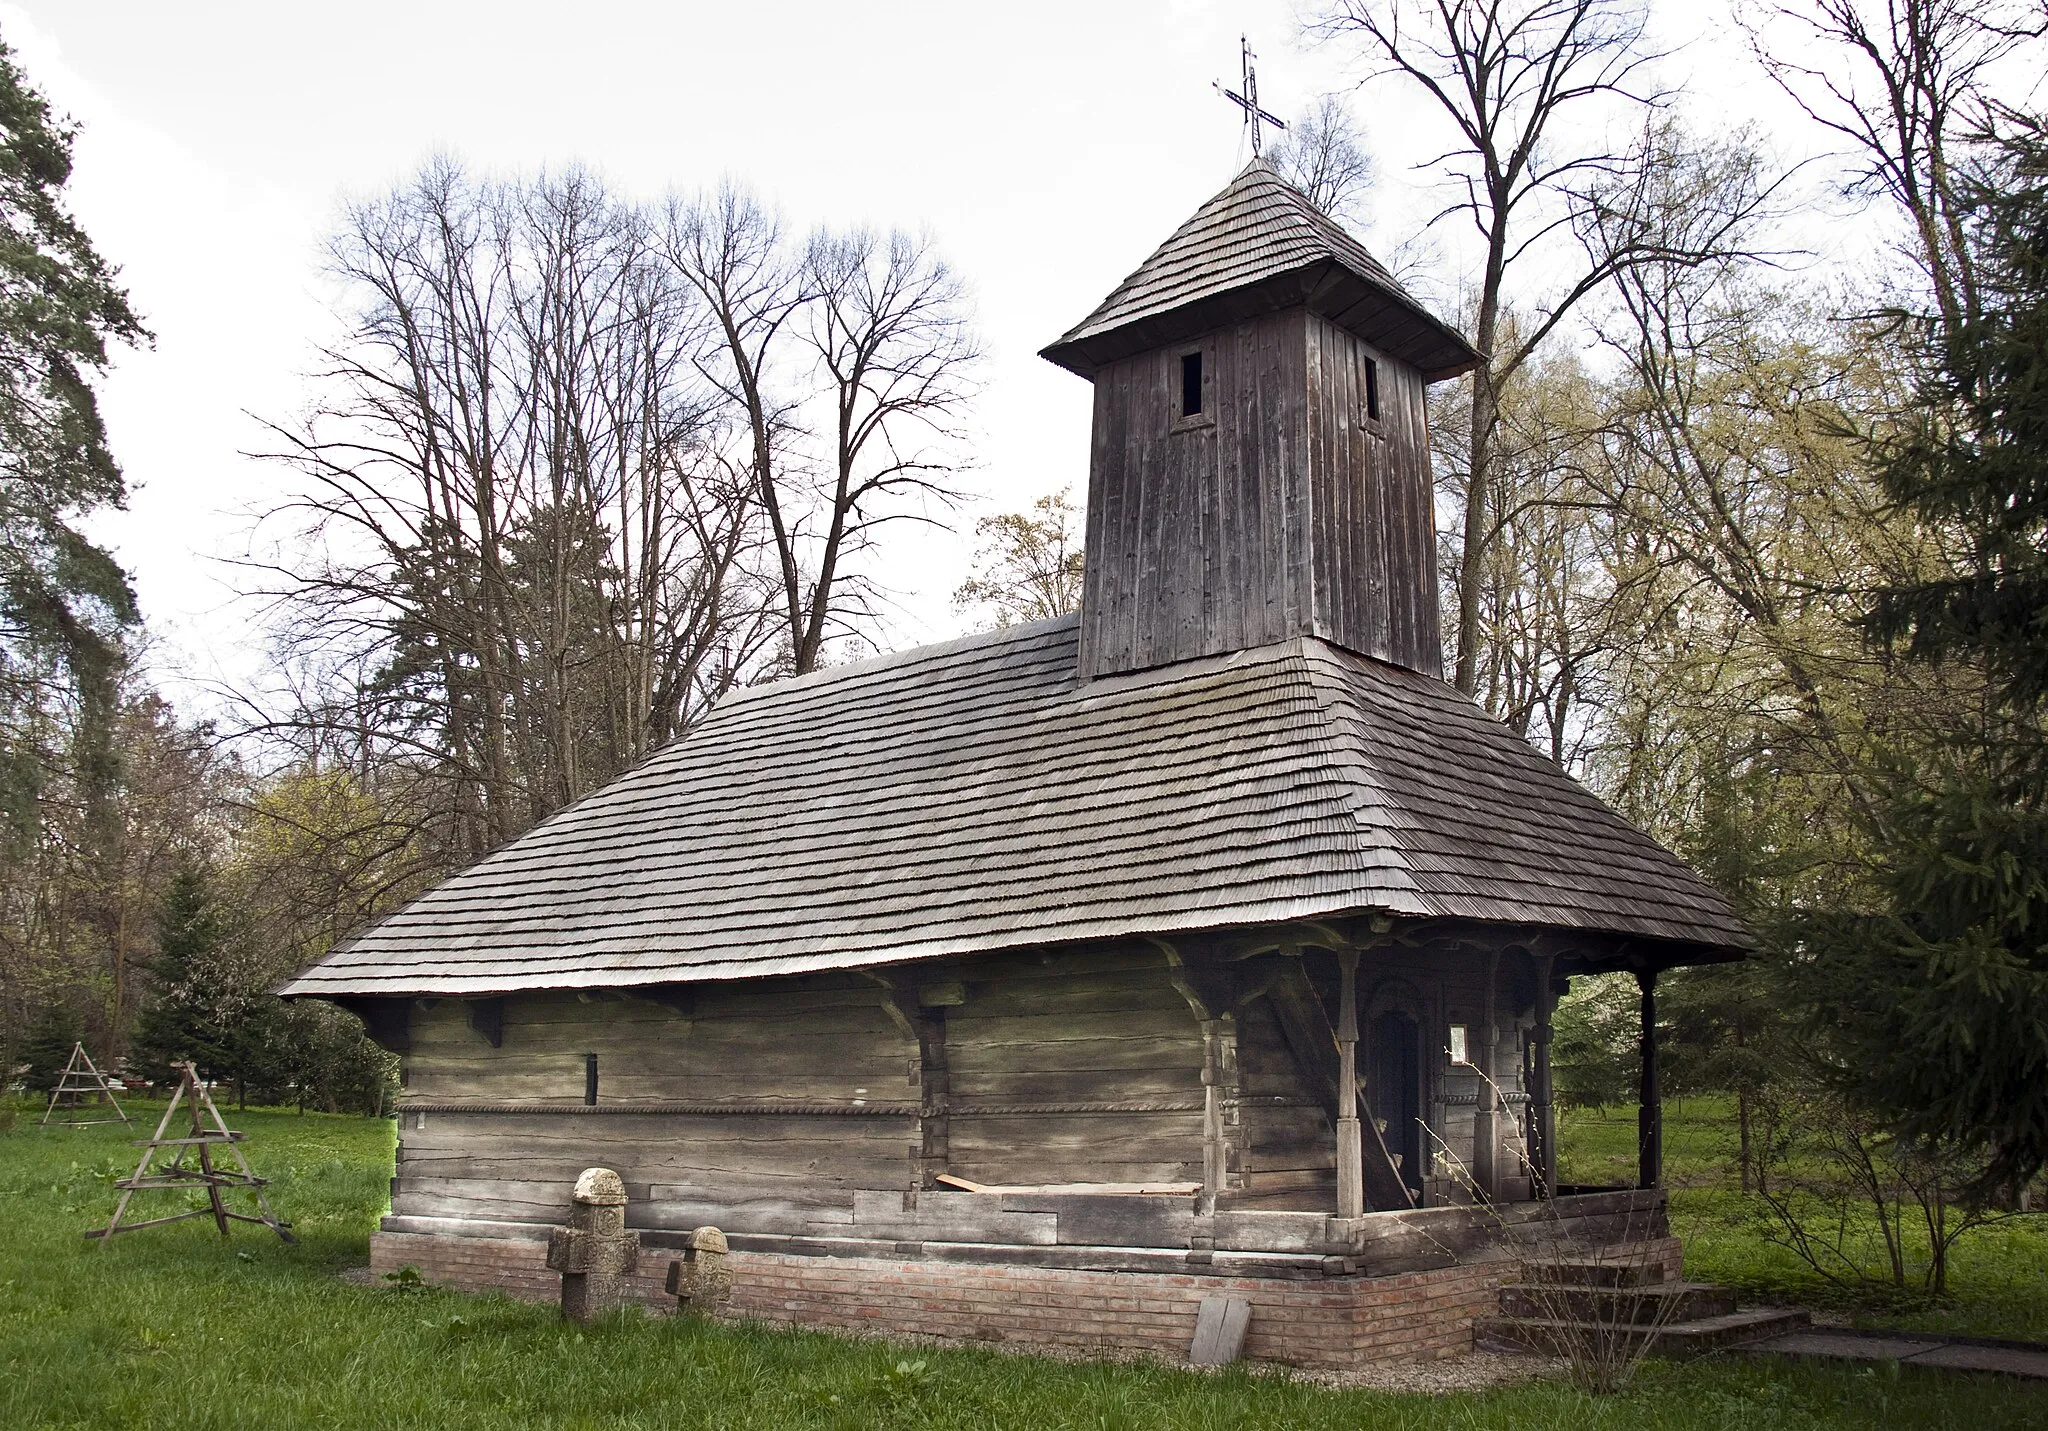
{"x":1371,"y":503}
{"x":1283,"y":510}
{"x":772,"y":1107}
{"x":1078,"y":1029}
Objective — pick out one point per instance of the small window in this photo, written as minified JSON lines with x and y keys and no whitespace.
{"x":1372,"y":389}
{"x":1459,"y":1050}
{"x":590,"y":1080}
{"x":1191,"y":385}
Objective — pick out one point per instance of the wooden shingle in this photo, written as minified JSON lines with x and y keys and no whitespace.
{"x":976,"y":796}
{"x":1260,"y":247}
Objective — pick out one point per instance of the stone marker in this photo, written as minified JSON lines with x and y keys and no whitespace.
{"x":594,"y":1252}
{"x":702,"y":1281}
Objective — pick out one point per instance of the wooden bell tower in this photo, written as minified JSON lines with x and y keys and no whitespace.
{"x":1260,"y":463}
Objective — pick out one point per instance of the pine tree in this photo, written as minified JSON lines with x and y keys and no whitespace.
{"x":64,"y":602}
{"x":47,"y":1048}
{"x":183,"y":1021}
{"x":1936,"y":1010}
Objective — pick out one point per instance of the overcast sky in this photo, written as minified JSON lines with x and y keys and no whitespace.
{"x":1048,"y":147}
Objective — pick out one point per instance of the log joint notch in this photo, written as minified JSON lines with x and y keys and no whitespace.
{"x":920,"y":1015}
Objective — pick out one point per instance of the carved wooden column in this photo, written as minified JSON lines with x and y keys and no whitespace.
{"x":1211,"y":994}
{"x":1222,"y":1109}
{"x":1543,"y":1099}
{"x":1350,"y":1148}
{"x":1485,"y":1120}
{"x":1650,"y":1118}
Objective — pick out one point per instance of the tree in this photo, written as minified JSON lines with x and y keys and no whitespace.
{"x":1941,"y":999}
{"x":1971,"y":457}
{"x":1321,"y":155}
{"x":521,"y":559}
{"x":1029,"y":565}
{"x":215,"y":969}
{"x":731,"y":251}
{"x":1512,"y":78}
{"x":1896,"y":83}
{"x":64,"y":603}
{"x":886,"y":321}
{"x":846,"y":366}
{"x":183,"y":1021}
{"x":46,"y":1048}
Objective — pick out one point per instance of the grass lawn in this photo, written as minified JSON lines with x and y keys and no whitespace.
{"x":1998,"y":1276}
{"x":172,"y":1327}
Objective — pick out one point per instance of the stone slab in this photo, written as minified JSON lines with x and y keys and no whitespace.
{"x":2030,"y":1362}
{"x":1845,"y":1345}
{"x":2007,"y":1361}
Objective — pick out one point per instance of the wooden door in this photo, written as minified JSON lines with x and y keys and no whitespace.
{"x":1393,"y":1082}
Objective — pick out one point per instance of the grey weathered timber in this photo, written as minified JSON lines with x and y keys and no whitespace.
{"x":1650,"y":1110}
{"x":1350,"y":1151}
{"x":1310,"y":1037}
{"x":974,"y":796}
{"x":1257,"y":247}
{"x":1282,"y":510}
{"x":1138,"y":1233}
{"x":208,"y":1131}
{"x":1485,"y":1134}
{"x":1543,"y":1094}
{"x":81,"y":1079}
{"x":1083,"y":1067}
{"x":1220,"y":1324}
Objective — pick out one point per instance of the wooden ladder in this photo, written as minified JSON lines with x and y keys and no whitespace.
{"x":201,"y":1142}
{"x":77,"y":1081}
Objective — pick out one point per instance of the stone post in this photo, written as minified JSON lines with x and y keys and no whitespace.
{"x":702,"y":1281}
{"x":594,"y":1253}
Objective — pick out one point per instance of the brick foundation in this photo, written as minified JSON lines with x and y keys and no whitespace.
{"x":1337,"y":1321}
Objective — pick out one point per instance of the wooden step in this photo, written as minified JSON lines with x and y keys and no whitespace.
{"x":1658,"y":1302}
{"x":1551,"y":1336}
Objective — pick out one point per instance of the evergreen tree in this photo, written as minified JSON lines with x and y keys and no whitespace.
{"x":1936,"y":1010}
{"x":63,"y":601}
{"x":47,"y":1048}
{"x":183,"y":1022}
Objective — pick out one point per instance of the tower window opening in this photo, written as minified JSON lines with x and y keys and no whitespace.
{"x":1191,"y":385}
{"x":1372,"y":389}
{"x":590,"y":1080}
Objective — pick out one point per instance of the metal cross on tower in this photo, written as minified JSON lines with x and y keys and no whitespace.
{"x":1248,"y":100}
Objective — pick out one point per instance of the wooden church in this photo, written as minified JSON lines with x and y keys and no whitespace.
{"x":1036,"y":985}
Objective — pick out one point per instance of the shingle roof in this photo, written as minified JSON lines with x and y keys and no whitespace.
{"x":975,"y":796}
{"x":1257,"y":247}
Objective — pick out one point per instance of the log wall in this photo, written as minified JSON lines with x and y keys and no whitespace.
{"x":776,"y":1107}
{"x":1283,"y":509}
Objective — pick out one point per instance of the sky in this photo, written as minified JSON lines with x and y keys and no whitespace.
{"x":1048,"y":148}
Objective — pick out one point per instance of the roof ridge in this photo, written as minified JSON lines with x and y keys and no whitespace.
{"x":888,"y":660}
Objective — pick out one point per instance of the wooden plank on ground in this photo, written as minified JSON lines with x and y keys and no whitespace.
{"x":1219,"y":1331}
